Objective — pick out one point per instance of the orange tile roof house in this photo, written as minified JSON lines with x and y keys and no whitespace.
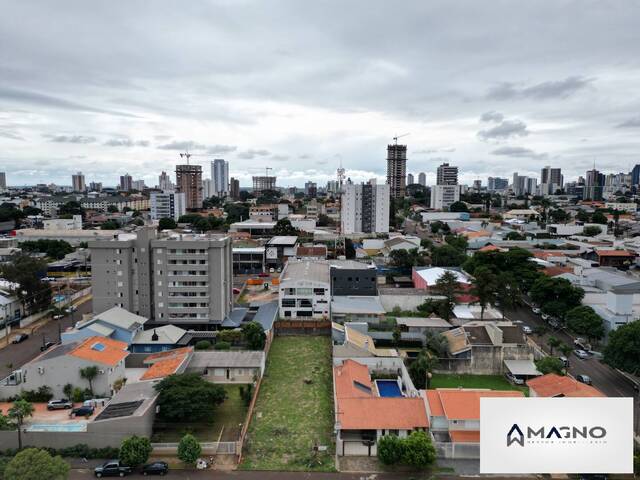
{"x":166,"y":363}
{"x":552,"y":385}
{"x":365,"y":412}
{"x":454,"y":416}
{"x":61,"y":364}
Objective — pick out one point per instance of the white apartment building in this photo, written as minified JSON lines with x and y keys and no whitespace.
{"x":304,"y":290}
{"x":220,"y":177}
{"x":167,"y":205}
{"x":442,"y":196}
{"x":365,"y":208}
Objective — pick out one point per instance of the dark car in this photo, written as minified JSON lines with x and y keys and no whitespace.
{"x":112,"y":468}
{"x":61,"y":404}
{"x":84,"y":411}
{"x":47,"y":346}
{"x":19,"y":338}
{"x":156,"y":468}
{"x":584,"y":379}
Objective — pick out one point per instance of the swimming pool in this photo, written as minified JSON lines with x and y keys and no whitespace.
{"x":388,"y":388}
{"x":58,"y":427}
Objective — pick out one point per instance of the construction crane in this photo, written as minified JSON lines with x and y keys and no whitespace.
{"x":395,"y":139}
{"x":186,"y":155}
{"x":266,"y":169}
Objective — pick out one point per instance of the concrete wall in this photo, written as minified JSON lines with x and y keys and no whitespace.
{"x":404,"y":302}
{"x":485,"y":360}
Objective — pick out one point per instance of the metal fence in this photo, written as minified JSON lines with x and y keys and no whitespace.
{"x":209,"y":448}
{"x":457,"y":450}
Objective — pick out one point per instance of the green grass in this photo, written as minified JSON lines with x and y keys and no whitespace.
{"x":294,"y":409}
{"x":227,"y":419}
{"x":494,"y":382}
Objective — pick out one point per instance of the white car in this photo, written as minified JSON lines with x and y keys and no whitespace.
{"x":527,"y":330}
{"x":536,"y":310}
{"x":581,"y":354}
{"x":545,"y":317}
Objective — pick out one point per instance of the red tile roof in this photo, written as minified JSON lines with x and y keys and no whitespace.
{"x":555,"y":271}
{"x":614,"y":253}
{"x":490,"y":248}
{"x":101,"y":350}
{"x":349,"y":376}
{"x":465,"y":436}
{"x":552,"y":385}
{"x":166,"y":363}
{"x":464,"y":404}
{"x":166,"y":354}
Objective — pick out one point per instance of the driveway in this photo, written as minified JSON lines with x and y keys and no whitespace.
{"x":18,"y":355}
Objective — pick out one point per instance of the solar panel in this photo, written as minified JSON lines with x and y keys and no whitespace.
{"x":119,"y":410}
{"x":98,"y":347}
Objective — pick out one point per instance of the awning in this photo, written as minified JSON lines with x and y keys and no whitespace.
{"x":522,"y":367}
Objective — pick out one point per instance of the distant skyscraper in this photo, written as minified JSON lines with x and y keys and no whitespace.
{"x":635,"y":175}
{"x":550,"y":180}
{"x":365,"y":208}
{"x":447,"y":190}
{"x":126,"y":182}
{"x":189,"y":182}
{"x":262,"y":183}
{"x":164,"y":182}
{"x":95,"y":186}
{"x":497,"y":183}
{"x":207,"y":188}
{"x":77,"y":182}
{"x":396,"y":170}
{"x":593,"y":185}
{"x":447,"y":175}
{"x":332,"y":186}
{"x":3,"y":181}
{"x":519,"y":184}
{"x":477,"y":185}
{"x":234,"y":188}
{"x":138,"y":185}
{"x":310,"y":189}
{"x":410,"y":179}
{"x":220,"y":177}
{"x":422,"y":179}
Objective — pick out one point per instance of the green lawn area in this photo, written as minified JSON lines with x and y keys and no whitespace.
{"x":494,"y":382}
{"x":294,"y":410}
{"x":227,"y":419}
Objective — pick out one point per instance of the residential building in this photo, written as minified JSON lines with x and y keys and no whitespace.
{"x":365,"y":208}
{"x":164,"y":182}
{"x":159,"y":339}
{"x":138,"y":185}
{"x":396,"y":170}
{"x":426,"y":277}
{"x":551,"y":180}
{"x":228,"y":367}
{"x":333,"y":186}
{"x":497,"y":183}
{"x":262,"y":183}
{"x":189,"y":182}
{"x":126,"y":183}
{"x":234,"y":188}
{"x":220,"y":177}
{"x":115,"y":323}
{"x":477,"y":186}
{"x":95,"y":186}
{"x":248,"y":260}
{"x":11,"y":308}
{"x":352,"y":278}
{"x":447,"y":190}
{"x":305,"y":290}
{"x":168,"y":205}
{"x":552,"y":385}
{"x":182,"y":279}
{"x":279,"y":249}
{"x":264,"y":213}
{"x":207,"y":188}
{"x":422,"y":179}
{"x":635,"y":176}
{"x":3,"y":181}
{"x":311,"y":189}
{"x":594,"y":182}
{"x":447,"y":175}
{"x":410,"y":179}
{"x":77,"y":182}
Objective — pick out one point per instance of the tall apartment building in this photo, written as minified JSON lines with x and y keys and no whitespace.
{"x":422,"y":179}
{"x":3,"y":181}
{"x":178,"y":279}
{"x":126,"y":183}
{"x":497,"y":183}
{"x":310,"y":189}
{"x":365,"y":208}
{"x":95,"y":186}
{"x":519,"y":184}
{"x":447,"y":190}
{"x":594,"y":182}
{"x":220,"y":177}
{"x":138,"y":185}
{"x":410,"y":180}
{"x":77,"y":182}
{"x":234,"y":188}
{"x":262,"y":183}
{"x":167,"y":205}
{"x":635,"y":175}
{"x":208,"y":190}
{"x":164,"y":182}
{"x":397,"y":170}
{"x":189,"y":182}
{"x":551,"y":179}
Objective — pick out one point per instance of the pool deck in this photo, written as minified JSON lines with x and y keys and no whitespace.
{"x":392,"y":390}
{"x":42,"y":416}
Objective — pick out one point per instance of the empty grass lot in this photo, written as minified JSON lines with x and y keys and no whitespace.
{"x":294,"y":409}
{"x":494,"y":382}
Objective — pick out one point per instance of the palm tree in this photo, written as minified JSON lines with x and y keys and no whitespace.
{"x":565,"y":349}
{"x":20,"y":410}
{"x":89,"y":374}
{"x":553,"y":342}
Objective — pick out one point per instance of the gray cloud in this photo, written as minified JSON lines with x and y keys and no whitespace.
{"x":506,"y":129}
{"x":81,"y":139}
{"x":280,"y":158}
{"x":182,"y":145}
{"x":631,"y":123}
{"x":518,"y":152}
{"x":10,"y":134}
{"x":253,"y":153}
{"x":220,"y":149}
{"x":541,"y":91}
{"x":126,"y":142}
{"x":491,"y":116}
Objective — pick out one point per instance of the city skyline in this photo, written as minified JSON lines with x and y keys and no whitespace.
{"x":309,"y":98}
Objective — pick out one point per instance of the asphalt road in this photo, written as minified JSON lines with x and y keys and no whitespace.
{"x":18,"y":355}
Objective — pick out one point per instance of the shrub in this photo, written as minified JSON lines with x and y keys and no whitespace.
{"x":135,"y":451}
{"x":418,"y":451}
{"x":246,"y":393}
{"x":189,"y":449}
{"x":35,"y":464}
{"x":222,"y":346}
{"x":390,"y":450}
{"x":231,"y":336}
{"x":203,"y":345}
{"x":43,"y":394}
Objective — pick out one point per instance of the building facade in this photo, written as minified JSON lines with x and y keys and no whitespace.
{"x":365,"y":208}
{"x":126,"y":183}
{"x":164,"y":182}
{"x":220,"y":177}
{"x":167,"y":205}
{"x":262,"y":183}
{"x":234,"y":188}
{"x":397,"y":170}
{"x":189,"y":182}
{"x":77,"y":182}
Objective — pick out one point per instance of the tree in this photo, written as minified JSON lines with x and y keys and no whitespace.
{"x":512,"y":236}
{"x":599,"y":217}
{"x":508,"y":293}
{"x":407,"y":259}
{"x":167,"y":224}
{"x":591,"y":231}
{"x":550,"y":365}
{"x":89,"y":374}
{"x":36,"y":464}
{"x":397,"y":336}
{"x":71,"y":208}
{"x":135,"y":451}
{"x":565,"y":349}
{"x":420,"y":368}
{"x":556,"y":295}
{"x":203,"y":345}
{"x":436,"y":343}
{"x":189,"y":449}
{"x":20,"y":410}
{"x":254,"y":334}
{"x":56,"y":249}
{"x":27,"y":271}
{"x":112,"y":209}
{"x":188,"y":397}
{"x":459,"y":242}
{"x":582,"y":216}
{"x":553,"y":343}
{"x":418,"y":451}
{"x":623,"y":348}
{"x":68,"y":390}
{"x":447,"y":256}
{"x":559,"y":216}
{"x":458,"y":207}
{"x":484,"y":286}
{"x":585,"y":321}
{"x":390,"y":449}
{"x":284,"y":227}
{"x":110,"y":225}
{"x":447,"y":286}
{"x":545,"y":203}
{"x":515,"y":261}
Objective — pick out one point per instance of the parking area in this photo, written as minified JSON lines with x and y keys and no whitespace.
{"x":42,"y":416}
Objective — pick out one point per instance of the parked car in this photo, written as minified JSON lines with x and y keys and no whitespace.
{"x":584,"y":379}
{"x":554,"y":323}
{"x":58,"y":316}
{"x":47,"y":346}
{"x":565,"y":361}
{"x":112,"y":468}
{"x":513,"y":379}
{"x":61,"y":404}
{"x":581,"y":354}
{"x":527,"y":330}
{"x":71,"y":308}
{"x":536,"y":310}
{"x":83,"y":411}
{"x":545,"y":317}
{"x":156,"y":468}
{"x":19,"y":338}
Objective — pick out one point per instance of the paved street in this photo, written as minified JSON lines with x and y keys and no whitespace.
{"x":21,"y":353}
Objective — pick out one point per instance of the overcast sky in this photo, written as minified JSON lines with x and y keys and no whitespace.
{"x":492,"y":87}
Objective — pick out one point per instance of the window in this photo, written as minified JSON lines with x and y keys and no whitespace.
{"x":120,"y":284}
